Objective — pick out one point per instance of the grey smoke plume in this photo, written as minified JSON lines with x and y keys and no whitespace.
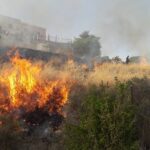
{"x":123,"y":25}
{"x":126,"y":27}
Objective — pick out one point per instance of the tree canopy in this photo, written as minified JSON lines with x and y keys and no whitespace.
{"x":87,"y":45}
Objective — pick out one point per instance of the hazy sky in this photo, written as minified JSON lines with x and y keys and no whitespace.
{"x":123,"y":25}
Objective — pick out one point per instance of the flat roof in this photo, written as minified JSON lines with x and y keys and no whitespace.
{"x":20,"y":21}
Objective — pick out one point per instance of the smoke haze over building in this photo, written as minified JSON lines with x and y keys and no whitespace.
{"x":123,"y":25}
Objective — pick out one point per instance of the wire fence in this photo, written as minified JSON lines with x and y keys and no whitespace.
{"x":58,"y":39}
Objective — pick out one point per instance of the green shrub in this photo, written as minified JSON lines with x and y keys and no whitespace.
{"x":107,"y":120}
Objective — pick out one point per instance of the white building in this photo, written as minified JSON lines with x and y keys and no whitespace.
{"x":15,"y":33}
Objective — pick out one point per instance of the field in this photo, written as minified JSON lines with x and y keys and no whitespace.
{"x":107,"y":107}
{"x":106,"y":72}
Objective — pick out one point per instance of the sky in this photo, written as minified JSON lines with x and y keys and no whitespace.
{"x":122,"y":25}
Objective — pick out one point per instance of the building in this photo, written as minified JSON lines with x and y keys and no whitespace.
{"x":15,"y":33}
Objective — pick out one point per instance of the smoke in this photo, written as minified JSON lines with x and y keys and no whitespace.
{"x":126,"y":27}
{"x":123,"y":25}
{"x":59,"y":17}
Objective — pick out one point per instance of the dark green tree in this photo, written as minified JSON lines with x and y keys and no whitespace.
{"x":87,"y":45}
{"x":117,"y":60}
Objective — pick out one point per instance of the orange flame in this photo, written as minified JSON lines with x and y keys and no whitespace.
{"x":22,"y":86}
{"x":143,"y":61}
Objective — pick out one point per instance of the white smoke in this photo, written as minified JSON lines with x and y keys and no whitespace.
{"x":123,"y":25}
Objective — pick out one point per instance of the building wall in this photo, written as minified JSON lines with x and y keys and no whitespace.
{"x":15,"y":33}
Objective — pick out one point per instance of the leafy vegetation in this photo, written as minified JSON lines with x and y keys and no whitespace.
{"x":107,"y":120}
{"x":87,"y":45}
{"x":111,"y":116}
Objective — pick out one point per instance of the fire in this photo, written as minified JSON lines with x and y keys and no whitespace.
{"x":22,"y":87}
{"x":22,"y":76}
{"x":143,"y":61}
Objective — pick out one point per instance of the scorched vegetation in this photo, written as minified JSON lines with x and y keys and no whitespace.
{"x":70,"y":106}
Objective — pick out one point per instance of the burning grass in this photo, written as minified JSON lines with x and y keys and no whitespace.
{"x":37,"y":92}
{"x":24,"y":89}
{"x":27,"y":85}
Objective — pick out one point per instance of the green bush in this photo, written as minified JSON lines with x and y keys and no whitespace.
{"x":107,"y":120}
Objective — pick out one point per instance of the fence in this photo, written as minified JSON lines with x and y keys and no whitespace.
{"x":58,"y":39}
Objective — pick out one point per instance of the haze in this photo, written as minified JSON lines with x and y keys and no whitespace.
{"x":123,"y":25}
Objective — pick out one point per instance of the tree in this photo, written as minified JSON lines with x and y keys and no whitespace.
{"x":87,"y":45}
{"x":117,"y":60}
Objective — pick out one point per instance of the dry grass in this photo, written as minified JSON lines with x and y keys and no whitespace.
{"x":69,"y":71}
{"x":107,"y":72}
{"x":103,"y":73}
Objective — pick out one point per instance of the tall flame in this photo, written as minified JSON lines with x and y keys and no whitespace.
{"x":22,"y":86}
